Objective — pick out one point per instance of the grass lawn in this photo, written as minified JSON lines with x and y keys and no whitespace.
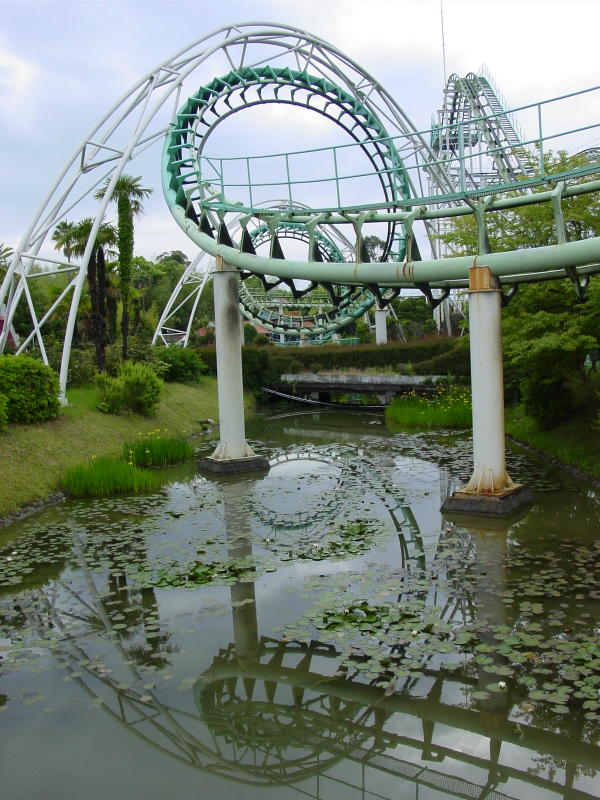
{"x":575,"y":442}
{"x":34,"y":457}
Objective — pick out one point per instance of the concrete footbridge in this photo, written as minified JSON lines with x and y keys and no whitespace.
{"x":386,"y":179}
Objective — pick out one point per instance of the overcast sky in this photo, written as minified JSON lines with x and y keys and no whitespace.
{"x":62,"y":64}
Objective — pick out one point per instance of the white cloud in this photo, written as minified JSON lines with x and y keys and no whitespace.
{"x":19,"y":79}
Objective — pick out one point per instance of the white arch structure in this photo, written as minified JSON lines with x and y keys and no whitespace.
{"x":140,"y":119}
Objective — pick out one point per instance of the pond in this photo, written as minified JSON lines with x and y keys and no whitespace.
{"x":319,"y":631}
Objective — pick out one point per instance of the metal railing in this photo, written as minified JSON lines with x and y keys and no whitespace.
{"x":461,"y":155}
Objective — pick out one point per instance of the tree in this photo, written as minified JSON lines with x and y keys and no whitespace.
{"x":548,"y":333}
{"x":128,"y":194}
{"x":106,"y":239}
{"x":6,"y":253}
{"x":64,"y":238}
{"x":375,"y":247}
{"x":531,"y":226}
{"x":174,"y":255}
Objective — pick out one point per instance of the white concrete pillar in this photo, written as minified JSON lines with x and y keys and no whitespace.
{"x":232,"y":444}
{"x":304,"y":340}
{"x":487,"y":386}
{"x":235,"y":497}
{"x":381,"y":326}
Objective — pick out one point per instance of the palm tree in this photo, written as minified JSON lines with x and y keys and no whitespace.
{"x":6,"y":253}
{"x":106,"y":239}
{"x":128,"y":194}
{"x":63,"y":238}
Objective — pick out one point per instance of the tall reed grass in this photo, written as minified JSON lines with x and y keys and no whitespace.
{"x":103,"y":477}
{"x":155,"y":451}
{"x":448,"y":408}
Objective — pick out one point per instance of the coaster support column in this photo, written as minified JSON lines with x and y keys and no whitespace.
{"x":233,"y":453}
{"x":381,"y":325}
{"x":490,"y":490}
{"x":487,"y":384}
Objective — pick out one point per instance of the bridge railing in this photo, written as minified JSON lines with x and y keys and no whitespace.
{"x":342,"y":177}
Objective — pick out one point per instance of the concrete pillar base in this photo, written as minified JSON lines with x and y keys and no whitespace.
{"x":233,"y":466}
{"x":497,"y":504}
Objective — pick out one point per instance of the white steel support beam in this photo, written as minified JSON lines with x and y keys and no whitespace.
{"x":487,"y":384}
{"x":381,"y":325}
{"x":490,"y":490}
{"x":232,"y":454}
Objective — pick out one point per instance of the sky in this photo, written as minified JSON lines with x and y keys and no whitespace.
{"x":63,"y":64}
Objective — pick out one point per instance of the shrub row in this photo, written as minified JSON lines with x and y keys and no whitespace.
{"x":3,"y":412}
{"x":30,"y":388}
{"x":264,"y":365}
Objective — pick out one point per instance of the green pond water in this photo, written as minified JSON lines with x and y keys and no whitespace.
{"x":320,"y":631}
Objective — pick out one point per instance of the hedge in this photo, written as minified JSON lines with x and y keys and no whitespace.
{"x":264,"y":365}
{"x":31,"y":389}
{"x":3,"y":414}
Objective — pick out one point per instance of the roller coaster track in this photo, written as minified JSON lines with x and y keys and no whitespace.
{"x":388,"y":174}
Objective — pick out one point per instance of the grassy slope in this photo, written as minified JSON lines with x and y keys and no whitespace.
{"x":35,"y":456}
{"x":575,"y":442}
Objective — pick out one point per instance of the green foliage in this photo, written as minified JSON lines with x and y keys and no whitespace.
{"x":363,"y":332}
{"x":200,"y":573}
{"x":136,"y":388}
{"x":448,"y":408}
{"x":250,"y":333}
{"x":550,"y":338}
{"x":140,"y":352}
{"x":31,"y":389}
{"x":82,"y":363}
{"x":549,"y":349}
{"x":6,"y":254}
{"x":154,"y":451}
{"x":3,"y":412}
{"x":548,"y":401}
{"x":531,"y":226}
{"x":128,"y":194}
{"x":415,"y":317}
{"x":455,"y":362}
{"x":125,"y":233}
{"x":262,"y":366}
{"x":181,"y":363}
{"x":103,"y":477}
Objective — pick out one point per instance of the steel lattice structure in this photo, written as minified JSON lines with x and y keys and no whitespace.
{"x":390,"y":175}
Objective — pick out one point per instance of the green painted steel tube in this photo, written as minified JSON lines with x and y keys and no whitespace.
{"x":513,"y":263}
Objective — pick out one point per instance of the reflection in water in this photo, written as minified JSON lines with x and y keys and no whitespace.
{"x":295,"y":712}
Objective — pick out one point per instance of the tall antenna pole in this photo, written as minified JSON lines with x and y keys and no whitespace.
{"x":443,"y":41}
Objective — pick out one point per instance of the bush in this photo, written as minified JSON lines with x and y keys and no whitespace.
{"x":154,"y":451}
{"x":82,"y":367}
{"x":250,"y":333}
{"x":181,"y":363}
{"x":139,"y":353}
{"x":31,"y":389}
{"x":103,"y":477}
{"x":82,"y":363}
{"x":455,"y":362}
{"x":548,"y":401}
{"x":3,"y":413}
{"x":136,"y":388}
